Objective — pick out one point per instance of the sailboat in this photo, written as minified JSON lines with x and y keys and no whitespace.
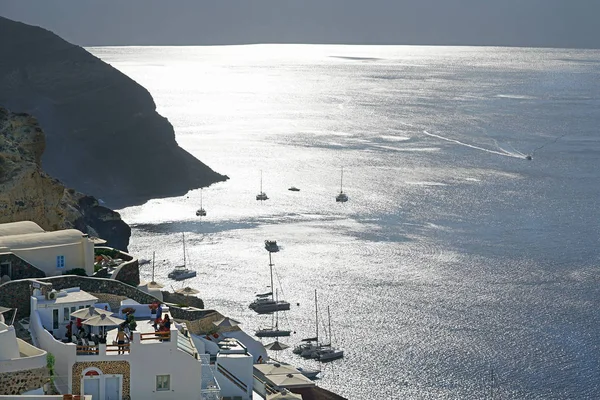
{"x":262,"y":195}
{"x":274,"y":330}
{"x":181,"y":272}
{"x":201,"y":212}
{"x":265,"y":303}
{"x":329,"y":353}
{"x":310,"y":345}
{"x":341,"y":197}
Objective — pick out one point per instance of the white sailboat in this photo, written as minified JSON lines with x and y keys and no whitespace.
{"x":329,"y":353}
{"x":265,"y":303}
{"x":262,"y":195}
{"x":273,"y":330}
{"x":341,"y":197}
{"x":309,"y":346}
{"x":201,"y":212}
{"x":181,"y":272}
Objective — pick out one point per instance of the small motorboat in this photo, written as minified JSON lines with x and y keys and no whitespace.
{"x":309,"y":373}
{"x":271,"y":246}
{"x":529,"y":157}
{"x":294,"y":189}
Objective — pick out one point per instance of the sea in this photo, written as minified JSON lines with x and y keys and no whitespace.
{"x":458,"y":269}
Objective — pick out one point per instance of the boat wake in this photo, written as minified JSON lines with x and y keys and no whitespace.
{"x":500,"y":152}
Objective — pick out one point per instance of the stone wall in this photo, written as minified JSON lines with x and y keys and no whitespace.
{"x":15,"y":383}
{"x":16,"y":294}
{"x":20,"y":269}
{"x":107,"y":367}
{"x":129,"y":273}
{"x":177,"y":298}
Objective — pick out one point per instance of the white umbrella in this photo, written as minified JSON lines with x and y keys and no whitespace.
{"x":89,"y":312}
{"x":103,"y":320}
{"x":276,"y":346}
{"x":187,"y":291}
{"x":152,"y":285}
{"x":4,"y":309}
{"x":226,"y":323}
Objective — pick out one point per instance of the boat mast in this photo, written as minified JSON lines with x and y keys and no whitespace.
{"x":153,"y":254}
{"x":276,"y":313}
{"x":341,"y":181}
{"x":329,"y":318}
{"x":316,"y":317}
{"x":261,"y":193}
{"x":183,"y":236}
{"x":201,"y":198}
{"x":271,"y":268}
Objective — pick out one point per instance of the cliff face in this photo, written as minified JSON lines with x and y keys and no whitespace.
{"x":103,"y":134}
{"x":28,"y":193}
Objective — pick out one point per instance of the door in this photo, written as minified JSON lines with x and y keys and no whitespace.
{"x":5,"y":270}
{"x":91,"y":386}
{"x":112,"y":386}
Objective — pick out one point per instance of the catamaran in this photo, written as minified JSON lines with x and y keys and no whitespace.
{"x":265,"y":303}
{"x":181,"y":272}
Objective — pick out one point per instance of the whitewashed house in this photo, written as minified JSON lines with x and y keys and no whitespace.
{"x":22,"y":366}
{"x":145,"y":368}
{"x":25,"y":243}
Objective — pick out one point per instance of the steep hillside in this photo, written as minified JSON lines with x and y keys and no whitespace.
{"x":28,"y":193}
{"x":103,"y":134}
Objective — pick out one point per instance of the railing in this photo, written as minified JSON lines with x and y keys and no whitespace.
{"x":270,"y":389}
{"x":211,"y":390}
{"x":184,"y":344}
{"x":121,"y":348}
{"x":235,"y":380}
{"x":155,"y":336}
{"x":87,"y":350}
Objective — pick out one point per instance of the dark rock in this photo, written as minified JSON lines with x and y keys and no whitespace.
{"x":104,"y":136}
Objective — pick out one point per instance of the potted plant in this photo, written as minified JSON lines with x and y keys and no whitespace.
{"x":153,"y":307}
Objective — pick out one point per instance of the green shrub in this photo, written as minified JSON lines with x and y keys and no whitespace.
{"x":76,"y":271}
{"x":112,"y":253}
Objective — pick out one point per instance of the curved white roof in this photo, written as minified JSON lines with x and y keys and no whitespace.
{"x":44,"y":239}
{"x":19,"y":228}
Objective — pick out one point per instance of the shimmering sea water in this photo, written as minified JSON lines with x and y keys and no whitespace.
{"x":457,"y":270}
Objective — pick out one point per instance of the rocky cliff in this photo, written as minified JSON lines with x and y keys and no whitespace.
{"x":103,"y":134}
{"x":28,"y":193}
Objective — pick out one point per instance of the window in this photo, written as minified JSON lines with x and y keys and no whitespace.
{"x":73,"y":309}
{"x":55,"y":318}
{"x":66,"y":314}
{"x":60,"y":261}
{"x":163,"y":382}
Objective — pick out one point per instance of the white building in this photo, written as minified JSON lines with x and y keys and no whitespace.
{"x":22,"y":366}
{"x":51,"y":252}
{"x":146,"y":368}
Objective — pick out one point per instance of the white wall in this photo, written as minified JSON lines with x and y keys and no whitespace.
{"x":79,"y":254}
{"x":64,"y":353}
{"x":240,"y":366}
{"x":8,"y":340}
{"x":164,"y":359}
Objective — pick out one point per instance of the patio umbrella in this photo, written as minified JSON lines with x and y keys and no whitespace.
{"x":226,"y":323}
{"x":89,"y":312}
{"x":103,"y":320}
{"x":152,"y":285}
{"x":187,"y":291}
{"x":276,"y":346}
{"x":3,"y":309}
